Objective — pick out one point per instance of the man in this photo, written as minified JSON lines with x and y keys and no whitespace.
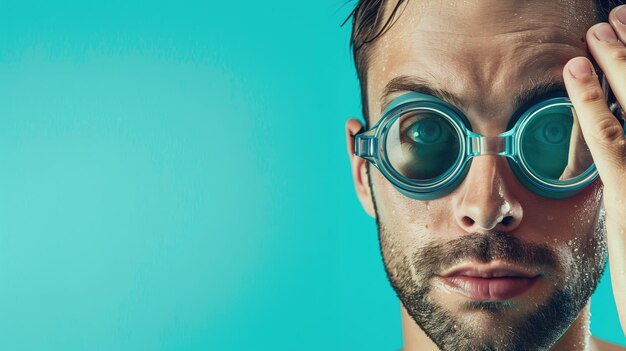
{"x":493,"y":240}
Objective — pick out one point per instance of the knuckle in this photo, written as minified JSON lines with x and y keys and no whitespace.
{"x":608,"y":130}
{"x":592,"y":95}
{"x":618,"y":54}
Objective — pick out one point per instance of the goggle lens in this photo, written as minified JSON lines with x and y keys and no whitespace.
{"x":552,"y":145}
{"x":422,"y":145}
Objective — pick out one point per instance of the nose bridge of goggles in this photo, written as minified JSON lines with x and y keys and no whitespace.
{"x":501,"y":145}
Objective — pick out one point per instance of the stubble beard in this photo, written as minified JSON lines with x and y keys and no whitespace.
{"x":580,"y":267}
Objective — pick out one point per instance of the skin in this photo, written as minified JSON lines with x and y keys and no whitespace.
{"x":496,"y":48}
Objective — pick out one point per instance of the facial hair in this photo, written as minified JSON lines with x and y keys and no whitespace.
{"x":579,"y":264}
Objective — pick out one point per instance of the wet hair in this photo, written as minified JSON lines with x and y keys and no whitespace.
{"x":369,"y":23}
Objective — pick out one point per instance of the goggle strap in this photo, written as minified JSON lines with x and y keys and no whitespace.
{"x":365,"y":146}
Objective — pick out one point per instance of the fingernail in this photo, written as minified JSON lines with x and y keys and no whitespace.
{"x":620,"y":13}
{"x":604,"y":32}
{"x":580,"y":68}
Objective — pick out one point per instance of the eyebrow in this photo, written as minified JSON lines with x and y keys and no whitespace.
{"x":535,"y":89}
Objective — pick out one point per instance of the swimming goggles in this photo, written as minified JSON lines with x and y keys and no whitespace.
{"x":424,"y":146}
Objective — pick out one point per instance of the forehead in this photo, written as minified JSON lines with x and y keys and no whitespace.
{"x":483,"y":52}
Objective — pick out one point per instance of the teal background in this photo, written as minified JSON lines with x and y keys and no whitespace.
{"x":174,"y":177}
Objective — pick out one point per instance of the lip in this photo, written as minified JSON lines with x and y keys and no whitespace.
{"x":493,"y":281}
{"x":492,"y":269}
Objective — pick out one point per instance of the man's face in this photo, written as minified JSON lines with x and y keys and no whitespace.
{"x":486,"y":52}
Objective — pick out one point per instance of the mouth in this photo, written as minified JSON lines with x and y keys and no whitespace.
{"x":494,"y":281}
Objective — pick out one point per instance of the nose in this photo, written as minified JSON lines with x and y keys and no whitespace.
{"x":485,"y":201}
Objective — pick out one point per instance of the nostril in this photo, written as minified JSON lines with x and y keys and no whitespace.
{"x":467,"y":221}
{"x":507,"y":220}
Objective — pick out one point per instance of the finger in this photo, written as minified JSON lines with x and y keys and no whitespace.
{"x":578,"y":157}
{"x":606,"y":44}
{"x":601,"y":130}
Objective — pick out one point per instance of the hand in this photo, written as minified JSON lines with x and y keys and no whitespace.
{"x":604,"y":134}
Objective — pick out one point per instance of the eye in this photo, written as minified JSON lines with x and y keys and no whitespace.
{"x":553,"y":131}
{"x":422,"y":145}
{"x":427,"y":131}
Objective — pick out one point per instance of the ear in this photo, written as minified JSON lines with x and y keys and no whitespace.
{"x":359,"y":168}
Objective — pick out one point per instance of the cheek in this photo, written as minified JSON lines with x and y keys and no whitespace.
{"x":563,"y":221}
{"x":409,"y":221}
